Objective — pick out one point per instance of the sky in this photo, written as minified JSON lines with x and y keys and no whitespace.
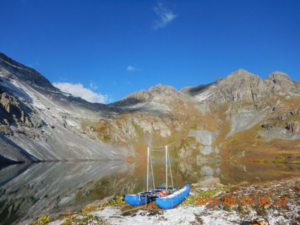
{"x":103,"y":50}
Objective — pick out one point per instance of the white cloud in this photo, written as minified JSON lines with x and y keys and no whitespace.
{"x":165,"y":16}
{"x":131,"y":68}
{"x":79,"y":91}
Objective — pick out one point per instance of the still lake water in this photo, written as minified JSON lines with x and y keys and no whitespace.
{"x":29,"y":190}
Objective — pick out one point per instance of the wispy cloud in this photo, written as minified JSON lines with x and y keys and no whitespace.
{"x":93,"y":86}
{"x":132,"y":68}
{"x":79,"y":90}
{"x":165,"y":16}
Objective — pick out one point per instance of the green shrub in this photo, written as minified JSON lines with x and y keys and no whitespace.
{"x":42,"y":220}
{"x":117,"y":200}
{"x":88,"y":209}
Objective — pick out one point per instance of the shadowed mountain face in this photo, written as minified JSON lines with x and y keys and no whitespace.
{"x":239,"y":116}
{"x":195,"y":90}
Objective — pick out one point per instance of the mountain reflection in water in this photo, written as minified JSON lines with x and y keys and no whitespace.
{"x":29,"y":190}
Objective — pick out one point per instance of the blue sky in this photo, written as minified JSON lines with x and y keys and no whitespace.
{"x":107,"y":49}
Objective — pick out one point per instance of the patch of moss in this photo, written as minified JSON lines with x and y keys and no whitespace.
{"x":88,"y":209}
{"x":43,"y":220}
{"x":90,"y":219}
{"x":138,"y":129}
{"x":117,"y":200}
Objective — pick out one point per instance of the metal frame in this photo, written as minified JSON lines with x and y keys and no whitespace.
{"x":168,"y":163}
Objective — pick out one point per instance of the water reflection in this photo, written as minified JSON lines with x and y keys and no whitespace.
{"x":235,"y":172}
{"x":29,"y":190}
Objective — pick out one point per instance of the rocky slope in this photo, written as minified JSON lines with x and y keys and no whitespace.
{"x":240,"y":116}
{"x":40,"y":123}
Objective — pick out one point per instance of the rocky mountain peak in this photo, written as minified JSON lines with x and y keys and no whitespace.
{"x":241,"y":74}
{"x":279,"y":81}
{"x":278,"y":77}
{"x":240,"y":85}
{"x":278,"y":74}
{"x":133,"y":98}
{"x":162,"y":89}
{"x":159,"y":93}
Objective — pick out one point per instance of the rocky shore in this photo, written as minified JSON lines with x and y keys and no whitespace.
{"x":276,"y":201}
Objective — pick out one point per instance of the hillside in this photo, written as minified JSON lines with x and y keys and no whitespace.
{"x":40,"y":123}
{"x":237,"y":117}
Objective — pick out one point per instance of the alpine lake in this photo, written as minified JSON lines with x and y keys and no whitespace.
{"x":28,"y":191}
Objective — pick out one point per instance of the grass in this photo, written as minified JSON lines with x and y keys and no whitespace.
{"x":194,"y":199}
{"x":89,"y":209}
{"x":90,"y":219}
{"x":43,"y":220}
{"x":138,"y":129}
{"x":117,"y":200}
{"x":257,"y":149}
{"x":194,"y":127}
{"x":101,"y":128}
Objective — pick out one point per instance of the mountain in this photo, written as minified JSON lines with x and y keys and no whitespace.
{"x":38,"y":122}
{"x":238,"y":117}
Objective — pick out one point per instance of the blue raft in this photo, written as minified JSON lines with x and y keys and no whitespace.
{"x":174,"y":199}
{"x":167,"y":202}
{"x":137,"y":199}
{"x":140,"y":198}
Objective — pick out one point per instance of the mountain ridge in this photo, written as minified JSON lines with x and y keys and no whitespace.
{"x":34,"y":115}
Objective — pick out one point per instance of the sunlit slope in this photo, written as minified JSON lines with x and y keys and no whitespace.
{"x":240,"y":116}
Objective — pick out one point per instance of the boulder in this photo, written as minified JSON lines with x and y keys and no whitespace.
{"x":212,"y":182}
{"x":268,"y":126}
{"x":294,"y":126}
{"x":6,"y":130}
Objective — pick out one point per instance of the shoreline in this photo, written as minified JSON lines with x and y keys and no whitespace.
{"x":276,"y":201}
